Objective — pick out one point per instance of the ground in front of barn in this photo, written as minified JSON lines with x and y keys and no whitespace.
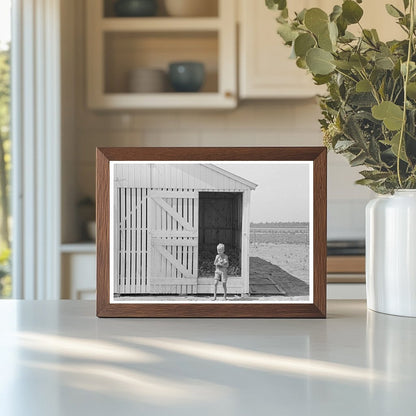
{"x":279,"y":270}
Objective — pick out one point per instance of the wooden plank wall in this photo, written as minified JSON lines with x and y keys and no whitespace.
{"x":174,"y":176}
{"x":132,"y":212}
{"x":170,"y":249}
{"x":131,"y":240}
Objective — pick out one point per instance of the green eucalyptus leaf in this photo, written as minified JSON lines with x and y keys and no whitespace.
{"x":343,"y":145}
{"x":342,"y":25}
{"x":368,"y":36}
{"x":321,"y":79}
{"x":285,"y":13}
{"x":358,"y":160}
{"x":276,"y":4}
{"x":344,"y":65}
{"x":301,"y":15}
{"x":301,"y":63}
{"x":393,"y":11}
{"x":303,"y":43}
{"x":384,"y":62}
{"x":394,"y":146}
{"x":316,"y":20}
{"x":353,"y":131}
{"x":382,"y":89}
{"x":361,"y":100}
{"x":363,"y":86}
{"x":281,"y":19}
{"x":336,"y":12}
{"x":405,"y":21}
{"x":374,"y":174}
{"x":358,"y":61}
{"x":377,"y":75}
{"x":388,"y":112}
{"x":347,"y":37}
{"x":375,"y":35}
{"x":320,"y":61}
{"x":374,"y":151}
{"x":351,"y":11}
{"x":333,"y":32}
{"x":365,"y":182}
{"x":411,"y":90}
{"x":412,"y":67}
{"x":406,"y":4}
{"x":325,"y":42}
{"x":287,"y":33}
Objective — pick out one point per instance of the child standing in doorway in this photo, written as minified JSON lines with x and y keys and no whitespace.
{"x":221,"y":265}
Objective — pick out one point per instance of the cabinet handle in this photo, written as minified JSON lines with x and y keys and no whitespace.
{"x":229,"y":94}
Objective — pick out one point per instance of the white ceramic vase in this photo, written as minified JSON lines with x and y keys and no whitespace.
{"x":391,"y":253}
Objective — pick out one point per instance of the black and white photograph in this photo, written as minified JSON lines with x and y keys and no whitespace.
{"x":211,"y":232}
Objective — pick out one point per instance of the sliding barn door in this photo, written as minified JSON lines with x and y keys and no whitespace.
{"x":131,"y":241}
{"x":173,"y":232}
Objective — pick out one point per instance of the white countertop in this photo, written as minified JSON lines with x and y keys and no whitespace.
{"x":57,"y":358}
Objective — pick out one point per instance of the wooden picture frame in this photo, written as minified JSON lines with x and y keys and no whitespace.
{"x":315,"y":157}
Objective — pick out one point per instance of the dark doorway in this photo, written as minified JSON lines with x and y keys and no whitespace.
{"x":220,"y":221}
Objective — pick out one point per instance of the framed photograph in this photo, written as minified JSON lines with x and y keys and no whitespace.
{"x":211,"y":232}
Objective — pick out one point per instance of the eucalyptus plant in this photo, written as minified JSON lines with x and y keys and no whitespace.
{"x":369,"y":111}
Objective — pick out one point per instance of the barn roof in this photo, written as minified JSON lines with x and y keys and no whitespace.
{"x":230,"y":175}
{"x":198,"y":176}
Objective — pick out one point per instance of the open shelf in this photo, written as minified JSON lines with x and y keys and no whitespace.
{"x":119,"y":45}
{"x":210,"y":9}
{"x":126,"y":51}
{"x":167,"y":100}
{"x":160,"y":24}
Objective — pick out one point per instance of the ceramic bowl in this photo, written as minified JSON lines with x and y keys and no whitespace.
{"x":135,"y":8}
{"x":186,"y":76}
{"x":147,"y":80}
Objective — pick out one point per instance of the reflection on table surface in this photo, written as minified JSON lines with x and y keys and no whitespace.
{"x":57,"y":358}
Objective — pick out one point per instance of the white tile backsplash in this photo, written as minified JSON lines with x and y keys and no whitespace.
{"x":258,"y":123}
{"x":253,"y":123}
{"x":346,"y":219}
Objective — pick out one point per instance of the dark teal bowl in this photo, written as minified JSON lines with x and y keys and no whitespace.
{"x":135,"y":8}
{"x":186,"y":76}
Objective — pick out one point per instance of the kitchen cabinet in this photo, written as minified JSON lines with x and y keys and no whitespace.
{"x":264,"y":65}
{"x":118,"y":45}
{"x":265,"y":70}
{"x":78,"y":263}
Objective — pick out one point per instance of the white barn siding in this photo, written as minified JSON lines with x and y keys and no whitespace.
{"x":156,"y":224}
{"x":175,"y":176}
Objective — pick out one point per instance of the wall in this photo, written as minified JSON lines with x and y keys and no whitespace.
{"x":253,"y":123}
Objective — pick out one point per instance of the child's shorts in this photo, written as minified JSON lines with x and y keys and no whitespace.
{"x":221,"y":276}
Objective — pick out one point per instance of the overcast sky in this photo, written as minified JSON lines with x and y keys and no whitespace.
{"x":282,"y":193}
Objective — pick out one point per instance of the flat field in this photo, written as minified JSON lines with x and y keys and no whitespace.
{"x":286,"y":247}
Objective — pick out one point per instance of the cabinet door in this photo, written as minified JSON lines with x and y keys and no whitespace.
{"x":265,"y":68}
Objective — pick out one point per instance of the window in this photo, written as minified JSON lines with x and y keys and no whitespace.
{"x":5,"y":147}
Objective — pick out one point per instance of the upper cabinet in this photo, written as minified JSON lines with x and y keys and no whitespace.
{"x":265,"y":68}
{"x":129,"y":59}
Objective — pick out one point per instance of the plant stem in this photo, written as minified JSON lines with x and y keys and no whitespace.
{"x":405,"y":81}
{"x":346,"y":75}
{"x":373,"y":88}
